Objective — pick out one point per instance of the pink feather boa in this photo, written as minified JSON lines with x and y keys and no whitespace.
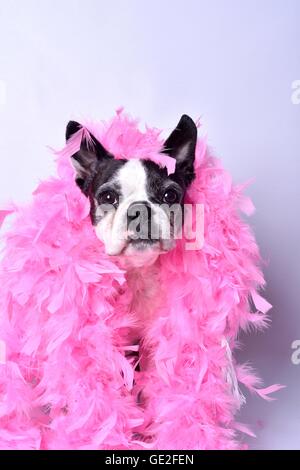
{"x":66,"y":320}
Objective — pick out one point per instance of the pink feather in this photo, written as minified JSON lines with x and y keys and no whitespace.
{"x":66,"y":320}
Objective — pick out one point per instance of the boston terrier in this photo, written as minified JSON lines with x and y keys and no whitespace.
{"x":136,"y":207}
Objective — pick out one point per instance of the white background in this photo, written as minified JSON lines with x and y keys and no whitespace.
{"x":232,"y":62}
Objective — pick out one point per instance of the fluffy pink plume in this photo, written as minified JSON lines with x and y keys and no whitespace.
{"x":65,"y":320}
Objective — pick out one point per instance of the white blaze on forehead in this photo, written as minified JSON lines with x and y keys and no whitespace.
{"x":132,"y":179}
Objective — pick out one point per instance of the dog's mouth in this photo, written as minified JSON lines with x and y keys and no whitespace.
{"x":143,"y":244}
{"x":136,"y":245}
{"x":139,"y":252}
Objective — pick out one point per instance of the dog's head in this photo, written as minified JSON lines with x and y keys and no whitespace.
{"x":136,"y":207}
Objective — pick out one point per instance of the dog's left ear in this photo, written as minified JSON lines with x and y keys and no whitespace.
{"x":181,"y":145}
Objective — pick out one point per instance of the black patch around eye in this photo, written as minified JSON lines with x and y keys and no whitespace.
{"x":156,"y":177}
{"x":159,"y":182}
{"x":106,"y":172}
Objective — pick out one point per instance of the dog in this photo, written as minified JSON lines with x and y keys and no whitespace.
{"x":137,"y":211}
{"x":136,"y":207}
{"x":72,"y":320}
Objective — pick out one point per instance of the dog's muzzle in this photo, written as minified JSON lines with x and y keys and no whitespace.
{"x":141,"y":227}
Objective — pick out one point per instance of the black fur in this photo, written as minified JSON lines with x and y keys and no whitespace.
{"x":158,"y":182}
{"x":96,"y":166}
{"x":88,"y":159}
{"x":183,"y":136}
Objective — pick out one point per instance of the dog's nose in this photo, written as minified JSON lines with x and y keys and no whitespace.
{"x":139,"y":210}
{"x":139,"y":220}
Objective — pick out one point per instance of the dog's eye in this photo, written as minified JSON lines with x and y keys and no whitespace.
{"x":171,"y":196}
{"x":108,"y":197}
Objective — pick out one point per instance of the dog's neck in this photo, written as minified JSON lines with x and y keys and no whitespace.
{"x":144,"y":283}
{"x":146,"y":297}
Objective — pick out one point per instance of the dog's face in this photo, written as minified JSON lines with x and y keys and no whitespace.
{"x":136,"y":207}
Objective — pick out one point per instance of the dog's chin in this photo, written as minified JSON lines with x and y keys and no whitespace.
{"x":135,"y":253}
{"x":138,"y":253}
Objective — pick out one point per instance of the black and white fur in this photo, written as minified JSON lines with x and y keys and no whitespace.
{"x":127,"y":196}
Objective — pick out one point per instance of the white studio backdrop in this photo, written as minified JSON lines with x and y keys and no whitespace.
{"x":235,"y":63}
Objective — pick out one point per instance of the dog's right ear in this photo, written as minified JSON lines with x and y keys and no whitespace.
{"x":86,"y":160}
